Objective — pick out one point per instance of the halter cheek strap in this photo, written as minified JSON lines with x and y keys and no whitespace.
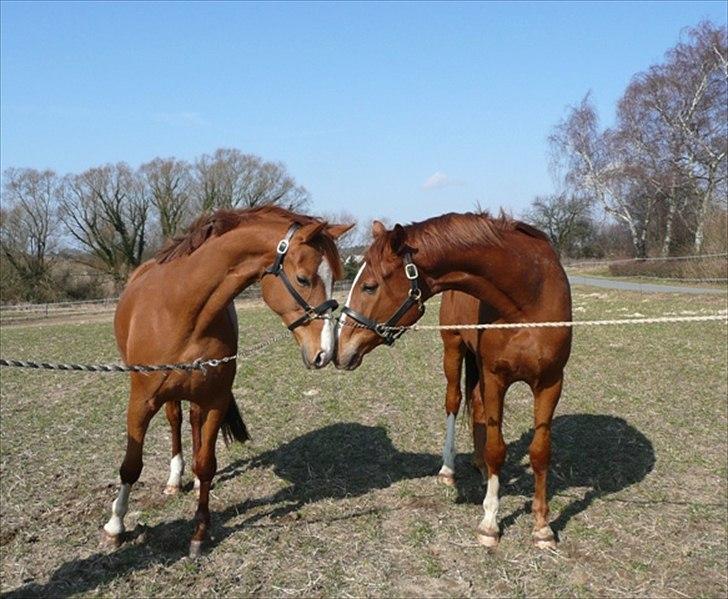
{"x":388,"y":330}
{"x":276,"y":269}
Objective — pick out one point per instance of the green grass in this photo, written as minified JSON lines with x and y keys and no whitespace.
{"x":336,"y":494}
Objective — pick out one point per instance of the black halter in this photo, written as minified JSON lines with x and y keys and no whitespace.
{"x":309,"y":312}
{"x":388,"y":330}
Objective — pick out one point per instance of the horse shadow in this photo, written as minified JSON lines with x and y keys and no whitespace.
{"x":347,"y":460}
{"x":601,"y":453}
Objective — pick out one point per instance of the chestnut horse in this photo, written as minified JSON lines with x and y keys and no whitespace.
{"x":513,"y":271}
{"x":177,"y":308}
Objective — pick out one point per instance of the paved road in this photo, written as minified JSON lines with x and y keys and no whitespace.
{"x":643,"y":287}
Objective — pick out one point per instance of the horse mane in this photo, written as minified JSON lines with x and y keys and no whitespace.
{"x":452,"y":232}
{"x":216,"y":224}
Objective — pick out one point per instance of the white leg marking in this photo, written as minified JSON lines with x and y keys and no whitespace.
{"x":328,"y":332}
{"x":115,"y":525}
{"x":197,"y":484}
{"x":176,"y":470}
{"x":448,"y":451}
{"x":490,"y":505}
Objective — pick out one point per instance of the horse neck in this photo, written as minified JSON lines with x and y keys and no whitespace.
{"x":222,"y":267}
{"x":502,"y":276}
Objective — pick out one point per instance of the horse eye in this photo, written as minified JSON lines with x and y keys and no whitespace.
{"x":369,"y":287}
{"x":303,"y":281}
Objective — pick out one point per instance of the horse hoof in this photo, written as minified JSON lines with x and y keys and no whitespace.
{"x":109,"y":541}
{"x":544,"y":538}
{"x":446,"y":479}
{"x":171,"y":489}
{"x":195,"y":549}
{"x":488,"y":538}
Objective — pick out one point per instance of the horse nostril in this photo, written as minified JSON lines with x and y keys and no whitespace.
{"x":319,"y":360}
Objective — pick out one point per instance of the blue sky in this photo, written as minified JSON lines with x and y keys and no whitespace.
{"x":397,"y":110}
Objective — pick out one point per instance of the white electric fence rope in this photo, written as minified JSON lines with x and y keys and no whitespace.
{"x":538,"y":325}
{"x":201,"y":365}
{"x":566,"y":323}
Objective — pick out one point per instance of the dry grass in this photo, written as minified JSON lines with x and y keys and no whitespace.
{"x":336,"y":494}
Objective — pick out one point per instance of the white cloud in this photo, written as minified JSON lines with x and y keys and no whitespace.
{"x":438,"y":180}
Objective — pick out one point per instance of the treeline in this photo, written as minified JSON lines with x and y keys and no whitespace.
{"x":659,"y":173}
{"x":110,"y":218}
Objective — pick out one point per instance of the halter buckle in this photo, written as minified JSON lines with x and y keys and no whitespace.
{"x":283,"y":245}
{"x":410,"y":271}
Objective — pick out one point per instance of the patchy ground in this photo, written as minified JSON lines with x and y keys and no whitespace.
{"x":336,"y":495}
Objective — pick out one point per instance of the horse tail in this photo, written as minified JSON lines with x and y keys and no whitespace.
{"x":472,"y":378}
{"x":233,"y":427}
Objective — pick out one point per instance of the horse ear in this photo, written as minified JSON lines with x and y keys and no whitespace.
{"x":337,"y":231}
{"x":309,"y":231}
{"x":398,"y":239}
{"x":378,"y":229}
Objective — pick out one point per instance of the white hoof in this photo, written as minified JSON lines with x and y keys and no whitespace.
{"x":445,"y":479}
{"x":488,"y":538}
{"x":171,"y":489}
{"x":195,"y":549}
{"x":109,"y":541}
{"x":544,"y":538}
{"x":446,"y":476}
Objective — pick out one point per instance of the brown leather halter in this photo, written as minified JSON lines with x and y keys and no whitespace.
{"x":309,"y":312}
{"x":389,"y":331}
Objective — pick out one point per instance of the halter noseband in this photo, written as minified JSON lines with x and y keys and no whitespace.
{"x":309,"y":312}
{"x":388,"y":330}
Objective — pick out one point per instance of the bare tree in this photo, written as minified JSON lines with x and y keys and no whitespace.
{"x":168,"y":182}
{"x":592,"y":165}
{"x":28,"y":232}
{"x":105,"y":210}
{"x":566,"y":219}
{"x":688,"y":94}
{"x":666,"y":154}
{"x":230,"y":179}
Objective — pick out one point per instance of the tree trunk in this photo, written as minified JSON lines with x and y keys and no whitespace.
{"x":702,"y":218}
{"x":669,"y":221}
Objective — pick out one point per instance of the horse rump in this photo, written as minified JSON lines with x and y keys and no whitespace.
{"x":233,"y":427}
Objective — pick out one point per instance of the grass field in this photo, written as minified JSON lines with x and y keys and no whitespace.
{"x":336,"y":495}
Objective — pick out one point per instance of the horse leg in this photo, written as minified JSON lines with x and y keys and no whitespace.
{"x":452,"y":365}
{"x":492,"y":391}
{"x":196,"y":424}
{"x":205,"y":468}
{"x":173,"y":409}
{"x":138,"y":416}
{"x":475,"y":407}
{"x":546,"y":398}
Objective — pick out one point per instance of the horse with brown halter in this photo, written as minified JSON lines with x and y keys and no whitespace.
{"x":178,"y":308}
{"x":514,"y":276}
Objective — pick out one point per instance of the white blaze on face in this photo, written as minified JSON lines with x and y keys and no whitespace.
{"x":328,"y":332}
{"x":351,"y":291}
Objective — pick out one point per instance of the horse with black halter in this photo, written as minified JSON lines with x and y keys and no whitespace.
{"x":515,"y":276}
{"x":177,"y":308}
